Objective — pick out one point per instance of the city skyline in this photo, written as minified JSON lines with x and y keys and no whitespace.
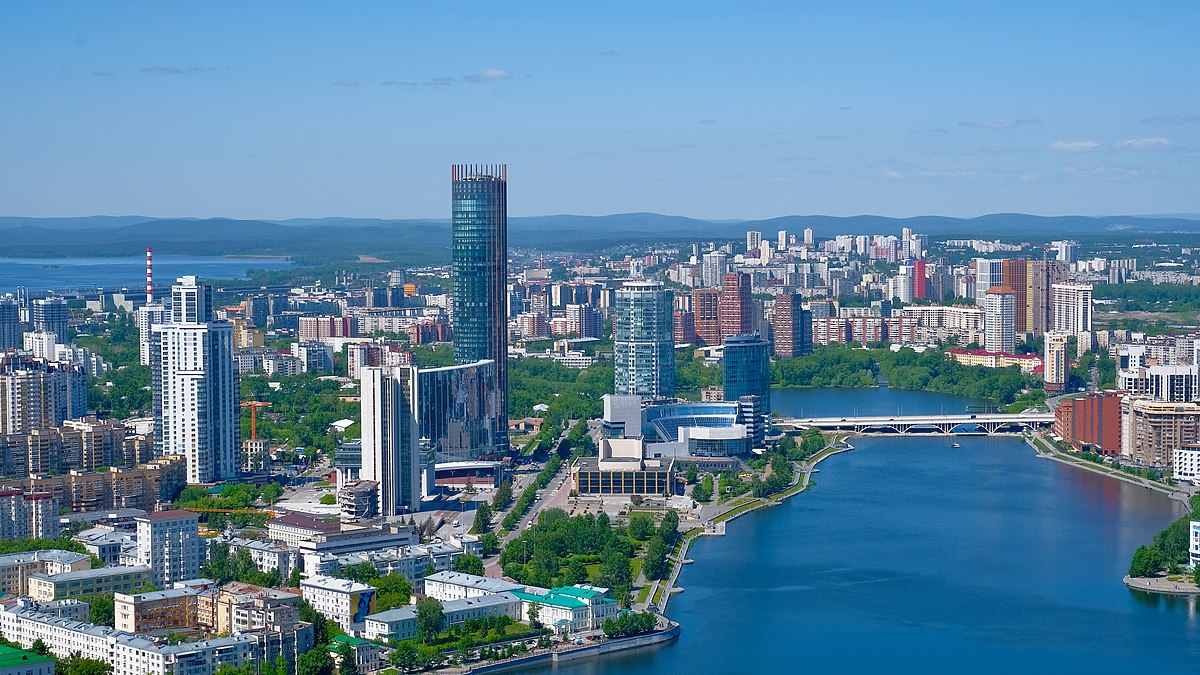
{"x":718,"y":113}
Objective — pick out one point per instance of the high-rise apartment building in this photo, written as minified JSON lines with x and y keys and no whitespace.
{"x":644,"y":344}
{"x":706,"y":307}
{"x":791,"y":326}
{"x":39,"y":394}
{"x":753,"y":240}
{"x":808,"y":237}
{"x":712,"y":269}
{"x":390,"y":445}
{"x":1042,"y":275}
{"x":479,"y":272}
{"x":746,"y":366}
{"x":10,"y":324}
{"x":1055,"y":362}
{"x":196,"y":397}
{"x":147,"y":316}
{"x":584,"y":321}
{"x":1014,"y":274}
{"x":50,"y":315}
{"x":920,"y":280}
{"x":169,"y":544}
{"x":999,"y":305}
{"x":735,"y":305}
{"x":781,"y":240}
{"x":1071,"y":308}
{"x":25,"y":515}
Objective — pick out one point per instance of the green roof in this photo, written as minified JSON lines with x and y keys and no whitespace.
{"x":352,"y":641}
{"x":552,"y":599}
{"x":11,"y":657}
{"x":575,"y":592}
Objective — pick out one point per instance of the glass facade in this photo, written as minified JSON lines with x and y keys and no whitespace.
{"x":747,"y":366}
{"x":457,"y":411}
{"x":479,"y":274}
{"x":644,"y":344}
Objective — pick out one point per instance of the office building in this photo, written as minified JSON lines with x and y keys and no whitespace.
{"x":746,"y":363}
{"x":45,"y":587}
{"x":168,"y":543}
{"x":479,"y":273}
{"x":1071,"y":308}
{"x":38,"y":393}
{"x":999,"y":306}
{"x":391,"y":449}
{"x":445,"y":586}
{"x":644,"y":343}
{"x":621,"y":468}
{"x":49,"y":315}
{"x":196,"y":395}
{"x":735,"y":305}
{"x":1055,"y":373}
{"x":458,"y":411}
{"x":988,"y":273}
{"x":401,"y":623}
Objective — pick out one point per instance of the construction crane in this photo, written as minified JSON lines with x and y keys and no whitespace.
{"x":254,"y":406}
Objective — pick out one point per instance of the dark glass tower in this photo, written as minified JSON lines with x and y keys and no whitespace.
{"x":479,"y":273}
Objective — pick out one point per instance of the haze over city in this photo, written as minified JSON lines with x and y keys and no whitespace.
{"x":727,"y":111}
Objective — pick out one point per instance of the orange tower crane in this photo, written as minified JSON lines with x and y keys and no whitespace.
{"x":254,"y":406}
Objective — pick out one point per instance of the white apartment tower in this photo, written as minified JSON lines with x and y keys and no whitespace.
{"x":753,"y":240}
{"x":999,"y":317}
{"x":1071,"y":308}
{"x":390,"y":446}
{"x":988,"y":273}
{"x":168,"y":543}
{"x":196,"y":410}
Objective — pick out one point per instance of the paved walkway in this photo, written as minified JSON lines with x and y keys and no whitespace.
{"x":1162,"y":585}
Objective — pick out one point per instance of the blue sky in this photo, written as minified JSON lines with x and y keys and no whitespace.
{"x":712,"y":110}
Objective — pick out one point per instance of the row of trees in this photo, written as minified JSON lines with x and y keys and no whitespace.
{"x":1169,"y":549}
{"x":558,"y":549}
{"x":660,"y":545}
{"x":629,"y":623}
{"x":529,"y":494}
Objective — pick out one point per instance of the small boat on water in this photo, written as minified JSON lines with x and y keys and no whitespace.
{"x":955,"y":445}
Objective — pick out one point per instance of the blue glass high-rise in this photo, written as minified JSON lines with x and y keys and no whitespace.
{"x":479,"y":273}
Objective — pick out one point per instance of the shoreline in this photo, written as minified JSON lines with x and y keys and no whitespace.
{"x":1161,"y":586}
{"x":1056,"y":455}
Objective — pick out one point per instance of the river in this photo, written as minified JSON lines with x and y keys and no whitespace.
{"x":39,"y":274}
{"x":908,"y":555}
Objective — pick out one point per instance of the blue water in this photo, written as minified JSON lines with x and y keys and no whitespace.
{"x":908,"y":555}
{"x":39,"y":274}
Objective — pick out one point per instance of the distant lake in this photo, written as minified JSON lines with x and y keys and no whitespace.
{"x":40,"y":274}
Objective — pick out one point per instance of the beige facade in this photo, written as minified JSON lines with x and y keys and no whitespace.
{"x":1151,"y":430}
{"x":43,"y":587}
{"x":16,"y":568}
{"x":160,"y":610}
{"x":140,"y":488}
{"x":239,"y":607}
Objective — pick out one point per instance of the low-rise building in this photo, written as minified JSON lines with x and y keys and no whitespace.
{"x":1187,"y":464}
{"x":401,"y":623}
{"x":174,"y":608}
{"x":622,"y":469}
{"x":979,"y":357}
{"x":88,"y":582}
{"x":569,"y":608}
{"x":267,"y":556}
{"x":1194,"y":544}
{"x":367,"y":655}
{"x":446,"y":586}
{"x":240,"y":607}
{"x":19,"y":662}
{"x":17,"y":568}
{"x":344,"y":601}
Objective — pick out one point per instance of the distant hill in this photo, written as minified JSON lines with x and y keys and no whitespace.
{"x":410,"y":241}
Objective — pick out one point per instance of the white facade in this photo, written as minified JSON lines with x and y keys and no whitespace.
{"x":457,"y":585}
{"x":1071,"y":308}
{"x":391,"y":450}
{"x":999,"y":316}
{"x":169,"y":544}
{"x":1194,"y":544}
{"x":28,"y":515}
{"x":1187,"y":464}
{"x":344,"y":601}
{"x":401,"y":623}
{"x":147,"y":316}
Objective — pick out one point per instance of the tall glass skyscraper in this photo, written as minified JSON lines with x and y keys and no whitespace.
{"x":479,"y":273}
{"x":644,"y":344}
{"x":747,"y":368}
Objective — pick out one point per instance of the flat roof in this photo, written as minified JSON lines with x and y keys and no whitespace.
{"x":91,"y":574}
{"x":11,"y":657}
{"x":173,"y":514}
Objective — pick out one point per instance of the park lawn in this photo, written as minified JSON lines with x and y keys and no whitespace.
{"x":635,"y":568}
{"x":642,"y":593}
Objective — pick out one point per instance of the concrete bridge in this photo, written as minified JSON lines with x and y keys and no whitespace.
{"x":964,"y":423}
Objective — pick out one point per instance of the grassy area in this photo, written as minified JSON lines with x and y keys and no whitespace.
{"x":642,"y":593}
{"x":635,"y":567}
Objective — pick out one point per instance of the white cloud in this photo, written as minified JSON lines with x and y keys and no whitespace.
{"x":488,"y":75}
{"x":345,"y":83}
{"x":1074,"y":146}
{"x":1154,"y":143}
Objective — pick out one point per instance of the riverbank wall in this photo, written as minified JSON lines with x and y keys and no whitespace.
{"x":1161,"y":586}
{"x":574,"y":654}
{"x":1048,"y":451}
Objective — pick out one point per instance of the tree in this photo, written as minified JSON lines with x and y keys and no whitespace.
{"x":641,"y":526}
{"x":483,"y":518}
{"x":656,"y":559}
{"x":576,"y":573}
{"x":404,"y":657}
{"x":1147,"y":560}
{"x":315,"y":661}
{"x":75,"y":664}
{"x":535,"y":611}
{"x":668,"y":529}
{"x":40,"y":647}
{"x":100,"y":609}
{"x":294,"y":578}
{"x":428,"y":571}
{"x":394,"y":591}
{"x":362,"y":572}
{"x":469,"y":564}
{"x":430,"y":619}
{"x":490,"y":543}
{"x":347,"y":661}
{"x":310,"y":615}
{"x":693,"y":474}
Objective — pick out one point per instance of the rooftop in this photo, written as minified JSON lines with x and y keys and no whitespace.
{"x":11,"y":657}
{"x":173,"y":514}
{"x":335,"y":584}
{"x":55,"y":555}
{"x":161,"y":595}
{"x":306,"y":522}
{"x":92,"y":574}
{"x":488,"y":584}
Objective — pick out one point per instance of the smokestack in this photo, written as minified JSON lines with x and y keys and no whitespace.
{"x":149,"y":278}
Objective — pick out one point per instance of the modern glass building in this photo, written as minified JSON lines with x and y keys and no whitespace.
{"x":457,"y":411}
{"x":391,"y":451}
{"x":644,"y":344}
{"x":747,"y":366}
{"x":479,"y":274}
